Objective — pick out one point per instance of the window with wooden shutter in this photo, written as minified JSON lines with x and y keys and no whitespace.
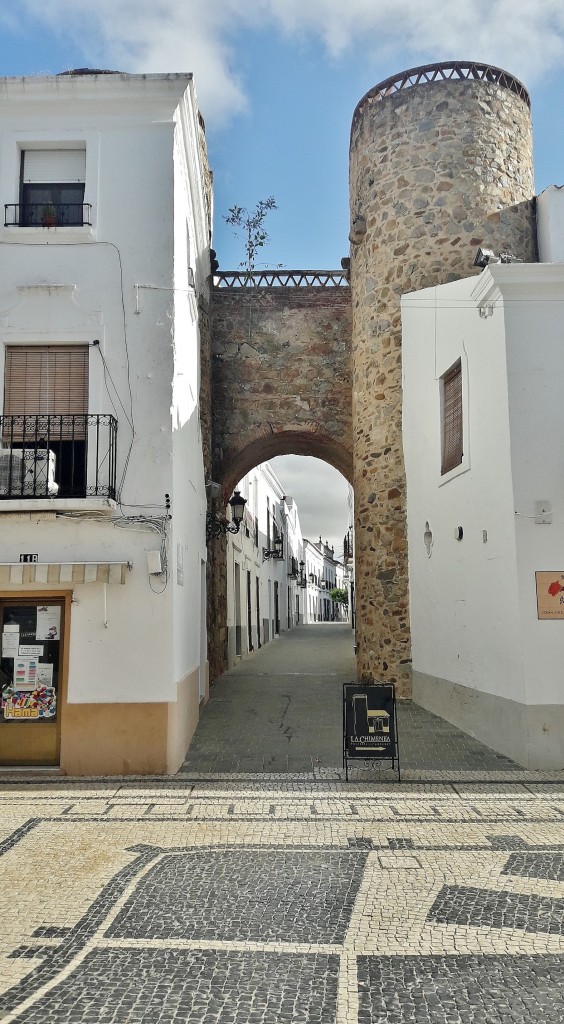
{"x":451,"y":433}
{"x":52,"y":187}
{"x":49,"y":380}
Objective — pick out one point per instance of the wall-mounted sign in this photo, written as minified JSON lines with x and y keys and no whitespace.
{"x":28,"y":558}
{"x":550,"y":594}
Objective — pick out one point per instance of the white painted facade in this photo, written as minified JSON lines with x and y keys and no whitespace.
{"x":127,"y":286}
{"x":482,"y":658}
{"x":323,"y":573}
{"x":263,"y":593}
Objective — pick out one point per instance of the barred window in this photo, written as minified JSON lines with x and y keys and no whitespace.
{"x":451,"y":415}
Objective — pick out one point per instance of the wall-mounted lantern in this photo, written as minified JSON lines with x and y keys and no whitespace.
{"x":276,"y":552}
{"x":217,"y":524}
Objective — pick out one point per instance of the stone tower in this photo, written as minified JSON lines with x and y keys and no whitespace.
{"x":440,"y":164}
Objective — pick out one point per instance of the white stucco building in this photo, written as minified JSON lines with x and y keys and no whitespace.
{"x":104,"y":258}
{"x":264,"y":596}
{"x":483,"y":373}
{"x":323,"y":573}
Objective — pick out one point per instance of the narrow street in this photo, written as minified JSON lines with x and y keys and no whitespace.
{"x":281,"y":711}
{"x":277,"y":892}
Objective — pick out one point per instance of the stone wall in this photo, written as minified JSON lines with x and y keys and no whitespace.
{"x":436,"y":170}
{"x":281,"y":377}
{"x":281,"y":384}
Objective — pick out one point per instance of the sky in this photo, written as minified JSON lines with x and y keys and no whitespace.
{"x":277,"y":83}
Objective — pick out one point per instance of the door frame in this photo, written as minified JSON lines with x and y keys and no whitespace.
{"x":21,"y":597}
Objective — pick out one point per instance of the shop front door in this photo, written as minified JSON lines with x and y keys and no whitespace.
{"x":30,"y":676}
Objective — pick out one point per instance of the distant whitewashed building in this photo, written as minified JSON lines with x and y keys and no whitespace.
{"x":323,"y":574}
{"x":264,"y":596}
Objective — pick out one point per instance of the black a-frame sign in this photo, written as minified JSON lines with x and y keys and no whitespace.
{"x":370,"y":726}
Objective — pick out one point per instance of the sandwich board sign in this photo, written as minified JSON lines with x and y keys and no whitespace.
{"x":370,"y":731}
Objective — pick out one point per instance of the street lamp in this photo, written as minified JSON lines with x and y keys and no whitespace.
{"x":276,"y":552}
{"x":217,"y":524}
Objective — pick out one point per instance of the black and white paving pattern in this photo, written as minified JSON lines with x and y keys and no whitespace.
{"x":261,"y":902}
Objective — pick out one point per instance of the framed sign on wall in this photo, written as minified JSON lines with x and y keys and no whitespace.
{"x":550,"y":594}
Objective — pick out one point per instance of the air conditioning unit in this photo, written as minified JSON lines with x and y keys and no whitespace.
{"x":27,"y":471}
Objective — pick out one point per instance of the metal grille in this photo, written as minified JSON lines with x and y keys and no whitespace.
{"x":58,"y":456}
{"x":47,"y":215}
{"x":281,"y":279}
{"x":445,"y":71}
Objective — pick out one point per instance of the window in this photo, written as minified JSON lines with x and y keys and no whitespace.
{"x":46,"y":406}
{"x":52,"y":187}
{"x":268,"y":524}
{"x":451,"y":416}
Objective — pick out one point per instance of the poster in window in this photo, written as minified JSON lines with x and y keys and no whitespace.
{"x":550,"y":594}
{"x":10,"y":641}
{"x":48,"y":622}
{"x":45,"y":673}
{"x":25,"y":673}
{"x":39,"y":705}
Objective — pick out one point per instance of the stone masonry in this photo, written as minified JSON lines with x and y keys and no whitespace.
{"x":281,"y":377}
{"x":281,"y":384}
{"x":436,"y":171}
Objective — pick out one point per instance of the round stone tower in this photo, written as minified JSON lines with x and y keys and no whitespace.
{"x":440,"y":164}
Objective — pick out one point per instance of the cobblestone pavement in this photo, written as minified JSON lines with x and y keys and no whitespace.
{"x":159,"y":901}
{"x":280,"y":712}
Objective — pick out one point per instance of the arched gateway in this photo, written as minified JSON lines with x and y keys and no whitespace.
{"x":280,"y":385}
{"x":440,"y":164}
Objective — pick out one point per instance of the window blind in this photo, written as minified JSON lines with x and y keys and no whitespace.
{"x":47,"y":380}
{"x":451,"y":454}
{"x":47,"y":166}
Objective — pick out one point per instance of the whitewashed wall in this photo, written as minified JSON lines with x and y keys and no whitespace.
{"x":258,"y":486}
{"x":481,"y":658}
{"x":81,"y":287}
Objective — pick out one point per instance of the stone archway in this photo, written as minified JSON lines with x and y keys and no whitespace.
{"x":266,"y":445}
{"x":287,"y":440}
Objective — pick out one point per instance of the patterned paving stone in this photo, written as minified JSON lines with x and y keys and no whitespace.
{"x":260,"y":895}
{"x":506,"y":842}
{"x":461,"y":990}
{"x":485,"y":908}
{"x":536,"y":865}
{"x":158,"y":986}
{"x":260,"y":901}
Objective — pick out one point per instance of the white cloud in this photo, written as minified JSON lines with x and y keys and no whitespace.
{"x":525,"y":37}
{"x":320,"y":493}
{"x":155,"y":36}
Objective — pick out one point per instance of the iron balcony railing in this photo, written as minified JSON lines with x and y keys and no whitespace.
{"x":281,"y":279}
{"x":58,"y":456}
{"x":444,"y":71}
{"x":53,"y":215}
{"x":293,"y":569}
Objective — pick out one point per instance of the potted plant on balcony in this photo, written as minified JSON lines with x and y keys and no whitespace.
{"x":48,"y":215}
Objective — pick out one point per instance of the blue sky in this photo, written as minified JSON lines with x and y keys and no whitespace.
{"x":278,"y":81}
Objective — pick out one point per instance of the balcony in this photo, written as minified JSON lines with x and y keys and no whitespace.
{"x":58,"y":456}
{"x":50,"y":215}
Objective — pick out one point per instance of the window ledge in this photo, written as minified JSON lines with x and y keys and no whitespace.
{"x":456,"y":471}
{"x":40,"y":234}
{"x":104,"y":506}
